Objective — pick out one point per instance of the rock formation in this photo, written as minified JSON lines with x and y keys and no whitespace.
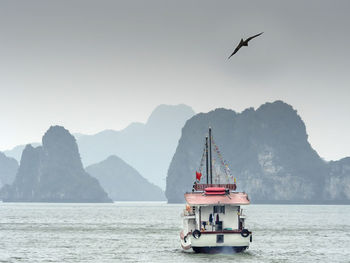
{"x":53,"y":172}
{"x":148,"y":147}
{"x":124,"y":183}
{"x":337,"y":186}
{"x":16,"y":152}
{"x":268,"y":152}
{"x":8,"y":169}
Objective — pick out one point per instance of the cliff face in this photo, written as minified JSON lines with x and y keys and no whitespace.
{"x":338,"y":181}
{"x":268,"y":152}
{"x":53,"y":172}
{"x":8,"y":169}
{"x":124,"y":183}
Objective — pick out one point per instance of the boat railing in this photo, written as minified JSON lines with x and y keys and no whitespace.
{"x":201,"y":187}
{"x":188,"y":213}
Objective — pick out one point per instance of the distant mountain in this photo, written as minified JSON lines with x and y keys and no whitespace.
{"x":268,"y":152}
{"x":124,"y":183}
{"x":148,"y":147}
{"x":8,"y":169}
{"x":16,"y":152}
{"x":53,"y":173}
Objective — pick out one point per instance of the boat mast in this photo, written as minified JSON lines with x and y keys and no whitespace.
{"x":206,"y":157}
{"x":210,"y":161}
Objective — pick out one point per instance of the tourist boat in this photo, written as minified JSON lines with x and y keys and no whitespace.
{"x":213,"y":220}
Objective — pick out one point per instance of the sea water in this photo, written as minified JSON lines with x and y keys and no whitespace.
{"x":149,"y":232}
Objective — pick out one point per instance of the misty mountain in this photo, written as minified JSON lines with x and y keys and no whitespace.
{"x":148,"y":147}
{"x":53,"y":172}
{"x":123,"y":183}
{"x":8,"y":169}
{"x":267,"y":151}
{"x":16,"y":152}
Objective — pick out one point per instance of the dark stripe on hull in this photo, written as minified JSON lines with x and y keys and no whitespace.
{"x":213,"y":250}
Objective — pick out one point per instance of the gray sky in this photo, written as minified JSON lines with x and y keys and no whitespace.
{"x":93,"y":65}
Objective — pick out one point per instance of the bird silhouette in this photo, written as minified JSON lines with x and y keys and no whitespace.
{"x":243,"y":43}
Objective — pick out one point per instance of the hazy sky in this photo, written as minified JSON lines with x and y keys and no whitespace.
{"x":93,"y":65}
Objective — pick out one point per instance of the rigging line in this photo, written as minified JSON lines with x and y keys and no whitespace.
{"x":223,"y":162}
{"x":202,"y":161}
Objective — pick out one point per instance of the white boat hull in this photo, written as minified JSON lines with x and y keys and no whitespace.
{"x":207,"y":242}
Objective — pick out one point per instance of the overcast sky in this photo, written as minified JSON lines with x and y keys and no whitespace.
{"x":95,"y":65}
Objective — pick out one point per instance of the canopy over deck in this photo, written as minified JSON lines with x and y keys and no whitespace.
{"x":227,"y":199}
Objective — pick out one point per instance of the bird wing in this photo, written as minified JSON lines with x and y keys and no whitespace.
{"x":236,"y":49}
{"x":250,"y":38}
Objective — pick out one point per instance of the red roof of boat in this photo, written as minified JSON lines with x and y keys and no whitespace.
{"x":236,"y":198}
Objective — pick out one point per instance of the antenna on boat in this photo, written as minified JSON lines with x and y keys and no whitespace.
{"x":206,"y":157}
{"x":211,"y":164}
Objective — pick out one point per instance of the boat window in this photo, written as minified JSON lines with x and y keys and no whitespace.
{"x":219,"y":238}
{"x":219,"y":209}
{"x":218,"y":226}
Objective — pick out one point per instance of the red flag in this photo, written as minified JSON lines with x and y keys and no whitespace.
{"x":198,"y":176}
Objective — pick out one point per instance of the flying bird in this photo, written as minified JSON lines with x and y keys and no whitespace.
{"x":243,"y":43}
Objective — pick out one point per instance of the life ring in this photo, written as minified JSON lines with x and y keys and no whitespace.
{"x":245,"y":233}
{"x":196,"y":234}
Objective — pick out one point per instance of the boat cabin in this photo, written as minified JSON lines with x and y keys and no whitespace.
{"x":213,"y":212}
